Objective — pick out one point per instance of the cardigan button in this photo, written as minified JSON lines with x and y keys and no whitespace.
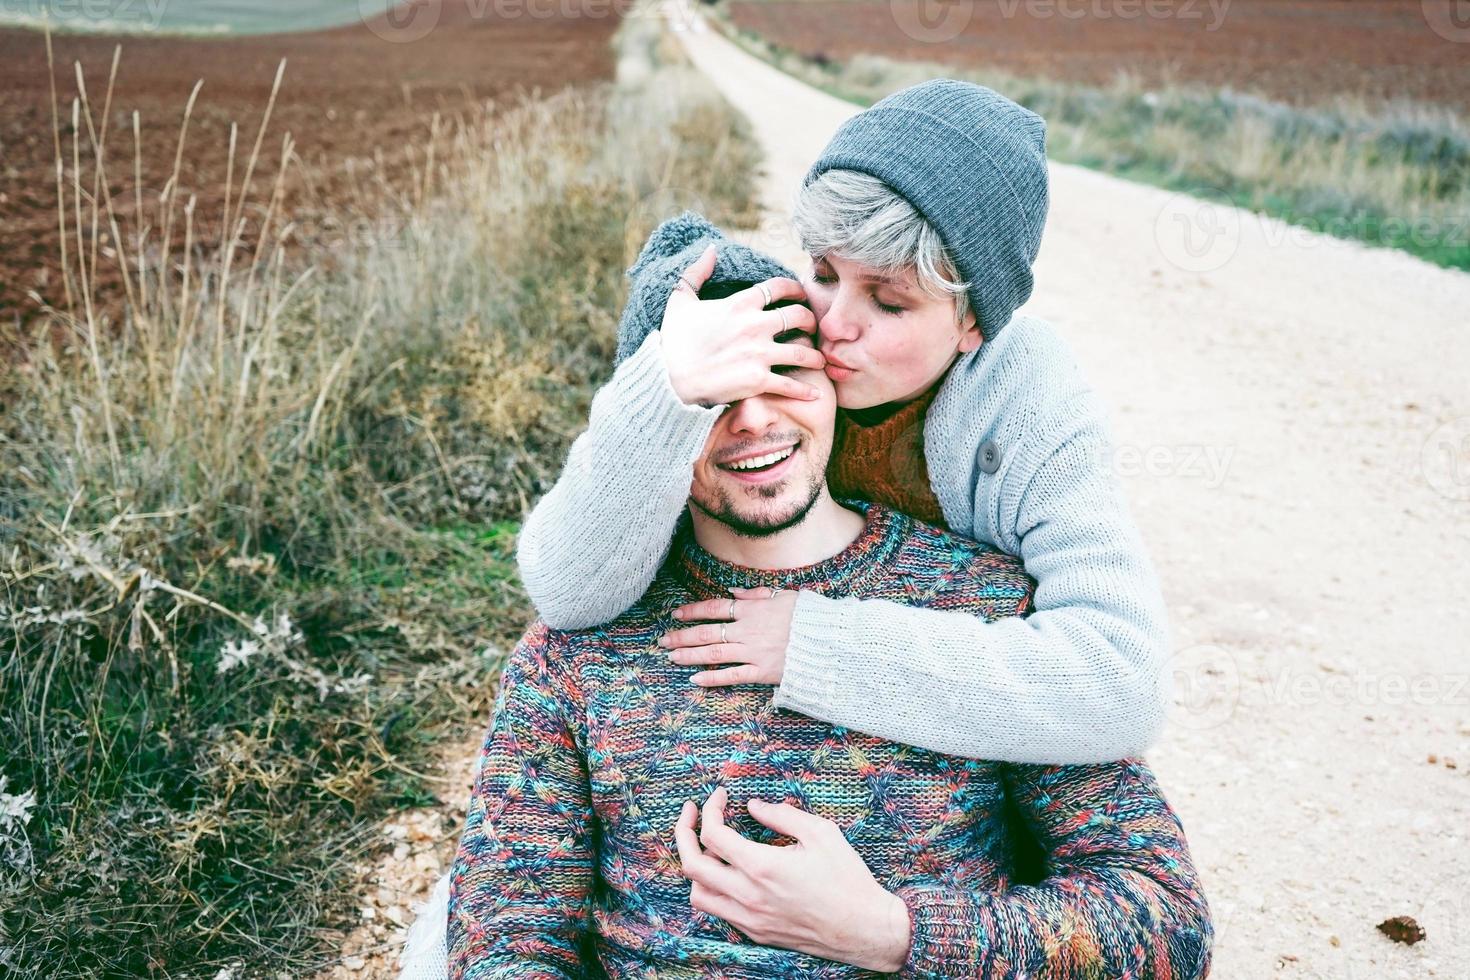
{"x":989,"y":457}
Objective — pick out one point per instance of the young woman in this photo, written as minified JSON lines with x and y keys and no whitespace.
{"x":923,"y":217}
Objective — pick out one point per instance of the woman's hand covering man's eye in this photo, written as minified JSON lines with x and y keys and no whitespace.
{"x":720,"y":351}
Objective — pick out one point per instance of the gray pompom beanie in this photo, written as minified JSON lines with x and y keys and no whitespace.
{"x":973,"y":163}
{"x":672,"y":248}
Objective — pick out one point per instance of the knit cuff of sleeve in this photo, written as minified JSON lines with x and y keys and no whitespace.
{"x":653,"y":411}
{"x":943,"y":938}
{"x":808,"y":681}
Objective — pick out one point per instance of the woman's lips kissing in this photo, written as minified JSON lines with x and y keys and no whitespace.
{"x":836,"y":370}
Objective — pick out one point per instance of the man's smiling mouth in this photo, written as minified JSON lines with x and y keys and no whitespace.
{"x":762,"y":462}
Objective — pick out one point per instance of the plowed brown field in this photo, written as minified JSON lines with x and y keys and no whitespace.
{"x":347,"y":93}
{"x":1296,"y":50}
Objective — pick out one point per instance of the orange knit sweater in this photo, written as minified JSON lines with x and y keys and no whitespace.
{"x":883,"y":461}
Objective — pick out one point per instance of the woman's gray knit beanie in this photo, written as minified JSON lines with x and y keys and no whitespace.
{"x":973,"y":163}
{"x":673,"y":247}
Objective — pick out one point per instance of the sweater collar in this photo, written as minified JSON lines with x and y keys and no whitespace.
{"x":884,"y":530}
{"x":899,"y":418}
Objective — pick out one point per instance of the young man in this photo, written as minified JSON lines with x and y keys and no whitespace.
{"x":578,"y":856}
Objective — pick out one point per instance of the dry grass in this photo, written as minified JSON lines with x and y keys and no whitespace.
{"x":256,"y":535}
{"x":1395,"y":174}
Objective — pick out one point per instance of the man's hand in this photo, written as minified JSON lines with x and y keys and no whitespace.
{"x":718,"y":351}
{"x":754,"y":637}
{"x":815,"y":897}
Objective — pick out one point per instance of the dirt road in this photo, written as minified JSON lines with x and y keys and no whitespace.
{"x":1292,"y":419}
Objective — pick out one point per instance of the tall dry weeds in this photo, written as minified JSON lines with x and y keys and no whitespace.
{"x":256,"y":531}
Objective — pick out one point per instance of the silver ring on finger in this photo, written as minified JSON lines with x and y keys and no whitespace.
{"x":689,"y":284}
{"x":782,"y":311}
{"x":722,"y":633}
{"x":766,"y":292}
{"x":732,"y":608}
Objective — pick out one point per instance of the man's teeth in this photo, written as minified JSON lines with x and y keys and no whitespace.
{"x":767,"y":460}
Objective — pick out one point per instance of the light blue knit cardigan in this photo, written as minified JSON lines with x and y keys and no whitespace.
{"x":1018,"y":452}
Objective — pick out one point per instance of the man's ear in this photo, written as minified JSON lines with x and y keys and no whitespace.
{"x":971,"y":338}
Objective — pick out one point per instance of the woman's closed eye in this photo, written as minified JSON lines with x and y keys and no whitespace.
{"x":888,"y":308}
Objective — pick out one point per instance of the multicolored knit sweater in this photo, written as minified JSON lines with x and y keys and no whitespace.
{"x":567,"y":866}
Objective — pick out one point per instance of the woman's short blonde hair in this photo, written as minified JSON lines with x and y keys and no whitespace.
{"x":860,"y":218}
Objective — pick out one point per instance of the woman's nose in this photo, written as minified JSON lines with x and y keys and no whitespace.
{"x":838,"y":323}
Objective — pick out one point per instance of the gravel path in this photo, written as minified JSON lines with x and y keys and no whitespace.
{"x":1292,"y":417}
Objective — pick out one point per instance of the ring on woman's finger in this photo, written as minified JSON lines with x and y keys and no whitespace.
{"x":722,"y":633}
{"x":782,"y":311}
{"x":766,"y":292}
{"x":732,"y":608}
{"x":689,"y":284}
